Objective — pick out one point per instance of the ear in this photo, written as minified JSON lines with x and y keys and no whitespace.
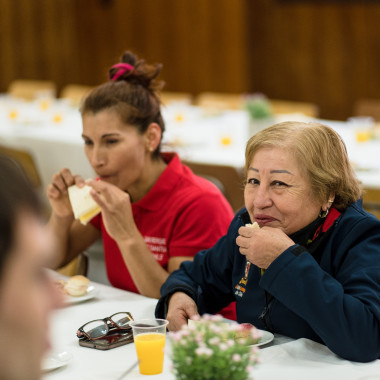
{"x":326,"y":206}
{"x":152,"y":137}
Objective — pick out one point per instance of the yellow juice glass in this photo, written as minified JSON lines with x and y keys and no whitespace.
{"x":149,"y":337}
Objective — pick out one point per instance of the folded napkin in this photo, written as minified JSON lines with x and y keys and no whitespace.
{"x":305,"y":359}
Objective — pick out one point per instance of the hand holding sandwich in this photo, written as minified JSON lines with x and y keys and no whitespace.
{"x":116,"y":210}
{"x":57,"y":192}
{"x":262,"y":246}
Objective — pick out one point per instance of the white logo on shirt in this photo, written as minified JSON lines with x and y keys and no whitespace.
{"x":157,"y":246}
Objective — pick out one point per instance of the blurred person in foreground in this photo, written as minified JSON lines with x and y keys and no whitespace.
{"x":313,"y":268}
{"x":155,"y":213}
{"x":27,"y":295}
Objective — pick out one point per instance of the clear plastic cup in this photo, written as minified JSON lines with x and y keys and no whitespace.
{"x":149,"y":337}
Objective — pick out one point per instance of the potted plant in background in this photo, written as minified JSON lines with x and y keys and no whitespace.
{"x":260,"y":112}
{"x":212,"y":349}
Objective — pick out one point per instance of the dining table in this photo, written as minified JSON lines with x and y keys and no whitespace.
{"x":51,"y":131}
{"x":281,"y":358}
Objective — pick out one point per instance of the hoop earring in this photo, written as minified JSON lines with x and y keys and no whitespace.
{"x":323,"y":214}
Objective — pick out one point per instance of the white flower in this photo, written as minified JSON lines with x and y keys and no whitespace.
{"x":223,"y":346}
{"x":204,"y":351}
{"x":230,"y":342}
{"x":215,"y":340}
{"x":216,"y":318}
{"x":236,"y":358}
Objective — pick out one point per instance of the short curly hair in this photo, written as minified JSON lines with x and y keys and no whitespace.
{"x":321,"y":154}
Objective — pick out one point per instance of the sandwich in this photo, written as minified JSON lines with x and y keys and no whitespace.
{"x":77,"y":286}
{"x":253,"y":225}
{"x":84,"y":207}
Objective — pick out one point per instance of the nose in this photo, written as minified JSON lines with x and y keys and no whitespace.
{"x":96,"y":157}
{"x":261,"y":197}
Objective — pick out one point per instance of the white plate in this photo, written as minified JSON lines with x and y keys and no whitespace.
{"x":55,"y":360}
{"x":92,"y":291}
{"x":266,"y":337}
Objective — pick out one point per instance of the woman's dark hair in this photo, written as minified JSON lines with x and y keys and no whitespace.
{"x":16,"y":196}
{"x":132,"y":93}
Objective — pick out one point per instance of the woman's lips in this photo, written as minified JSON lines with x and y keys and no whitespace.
{"x":264,"y":219}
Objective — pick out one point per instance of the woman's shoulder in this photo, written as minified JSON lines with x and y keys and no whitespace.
{"x":356,"y":217}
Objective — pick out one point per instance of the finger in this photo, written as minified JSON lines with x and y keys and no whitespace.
{"x":67,"y":177}
{"x":247,"y":231}
{"x":59,"y":183}
{"x":98,"y":198}
{"x":177,"y":322}
{"x":52,"y":192}
{"x":79,"y":181}
{"x":243,"y":251}
{"x":191,"y":310}
{"x":242,"y":242}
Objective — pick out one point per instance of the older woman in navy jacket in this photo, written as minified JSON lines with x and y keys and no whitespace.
{"x":313,"y":268}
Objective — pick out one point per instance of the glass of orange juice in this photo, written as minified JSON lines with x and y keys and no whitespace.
{"x":149,"y":336}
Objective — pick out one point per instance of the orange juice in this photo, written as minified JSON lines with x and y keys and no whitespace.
{"x":150,"y":352}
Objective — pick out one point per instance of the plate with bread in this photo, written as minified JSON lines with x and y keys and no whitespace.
{"x":76,"y":289}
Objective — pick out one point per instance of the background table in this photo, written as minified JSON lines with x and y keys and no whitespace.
{"x":53,"y":136}
{"x":282,"y":359}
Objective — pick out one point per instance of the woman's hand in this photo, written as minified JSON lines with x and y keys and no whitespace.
{"x":181,"y":308}
{"x":262,"y":246}
{"x":116,"y":210}
{"x":57,"y":192}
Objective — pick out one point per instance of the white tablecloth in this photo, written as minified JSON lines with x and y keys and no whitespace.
{"x":283,"y":359}
{"x":196,"y":136}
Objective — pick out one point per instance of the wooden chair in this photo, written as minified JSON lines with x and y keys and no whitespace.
{"x":75,"y":93}
{"x":168,"y":97}
{"x":367,"y":107}
{"x":30,"y":89}
{"x":228,"y":179}
{"x":371,"y":201}
{"x":288,"y":106}
{"x":78,"y":265}
{"x":26,"y":161}
{"x":222,"y":101}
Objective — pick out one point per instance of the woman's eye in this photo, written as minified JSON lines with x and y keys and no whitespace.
{"x":279,"y":184}
{"x":253,"y":181}
{"x":111,"y":141}
{"x":87,"y":142}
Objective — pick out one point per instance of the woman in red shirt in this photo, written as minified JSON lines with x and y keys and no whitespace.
{"x":155,"y":213}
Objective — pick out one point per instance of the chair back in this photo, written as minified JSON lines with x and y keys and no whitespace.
{"x":168,"y":97}
{"x":220,"y":101}
{"x":29,"y":89}
{"x":75,"y":93}
{"x":371,"y":201}
{"x":78,"y":265}
{"x":26,"y":161}
{"x":289,"y":106}
{"x":228,"y":179}
{"x":367,"y":107}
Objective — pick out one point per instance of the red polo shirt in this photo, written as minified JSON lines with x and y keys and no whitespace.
{"x":181,"y":215}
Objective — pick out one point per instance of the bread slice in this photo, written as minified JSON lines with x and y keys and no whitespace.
{"x":77,"y":286}
{"x":253,"y":225}
{"x":84,"y":207}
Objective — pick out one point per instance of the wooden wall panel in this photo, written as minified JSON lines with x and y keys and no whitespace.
{"x":200,"y":43}
{"x":324,"y":52}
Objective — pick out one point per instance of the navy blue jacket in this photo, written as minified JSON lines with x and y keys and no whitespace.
{"x":335,"y":301}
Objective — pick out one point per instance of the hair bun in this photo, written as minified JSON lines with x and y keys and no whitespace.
{"x":136,"y":72}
